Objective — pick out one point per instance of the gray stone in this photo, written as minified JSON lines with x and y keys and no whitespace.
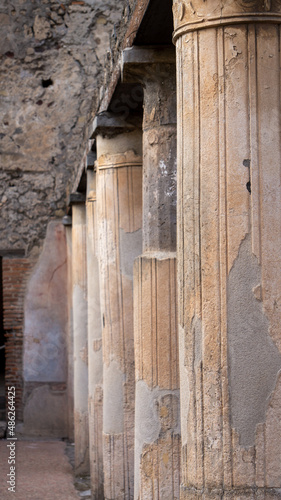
{"x":254,"y":359}
{"x":42,"y":117}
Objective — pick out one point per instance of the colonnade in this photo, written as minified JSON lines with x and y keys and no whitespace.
{"x":179,"y":242}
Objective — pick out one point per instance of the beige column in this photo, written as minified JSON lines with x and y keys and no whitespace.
{"x":229,"y":247}
{"x":157,"y":429}
{"x":80,"y":334}
{"x":95,"y":365}
{"x":67,"y":222}
{"x":119,"y":209}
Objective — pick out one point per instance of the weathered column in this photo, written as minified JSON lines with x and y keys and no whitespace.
{"x":119,"y":208}
{"x":229,"y":247}
{"x":67,"y":222}
{"x":95,"y":365}
{"x":80,"y":334}
{"x":157,"y":430}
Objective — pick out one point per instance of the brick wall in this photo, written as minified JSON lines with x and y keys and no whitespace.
{"x":15,"y":274}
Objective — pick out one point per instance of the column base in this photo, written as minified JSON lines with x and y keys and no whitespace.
{"x":81,"y":434}
{"x":234,"y":494}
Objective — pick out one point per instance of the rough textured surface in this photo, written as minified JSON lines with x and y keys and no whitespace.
{"x":42,"y":471}
{"x":157,"y":426}
{"x":157,"y":442}
{"x":229,"y":248}
{"x":52,"y":54}
{"x":159,"y":147}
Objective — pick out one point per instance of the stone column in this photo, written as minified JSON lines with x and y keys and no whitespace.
{"x":95,"y":365}
{"x":80,"y":334}
{"x":67,"y":222}
{"x":119,"y":207}
{"x":157,"y":431}
{"x":229,"y":247}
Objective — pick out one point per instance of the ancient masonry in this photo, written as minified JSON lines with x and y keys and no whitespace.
{"x":140,"y":272}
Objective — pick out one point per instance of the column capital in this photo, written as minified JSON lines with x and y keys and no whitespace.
{"x":137,"y":61}
{"x":108,"y":124}
{"x":77,"y":198}
{"x":90,"y":160}
{"x":127,"y":159}
{"x":67,"y":220}
{"x":199,"y":14}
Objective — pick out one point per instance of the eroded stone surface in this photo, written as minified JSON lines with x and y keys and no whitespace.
{"x":52,"y":55}
{"x":155,"y":298}
{"x":157,"y":426}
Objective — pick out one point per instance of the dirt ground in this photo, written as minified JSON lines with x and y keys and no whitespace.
{"x":43,"y":472}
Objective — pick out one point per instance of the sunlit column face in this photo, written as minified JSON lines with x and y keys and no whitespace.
{"x":228,"y":104}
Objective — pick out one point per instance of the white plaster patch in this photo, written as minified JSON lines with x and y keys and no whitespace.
{"x":163,"y":168}
{"x":107,"y":246}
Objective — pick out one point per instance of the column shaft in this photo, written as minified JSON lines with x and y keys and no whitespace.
{"x":79,"y":283}
{"x":95,"y":365}
{"x":70,"y":390}
{"x":119,"y":205}
{"x":229,"y":246}
{"x":157,"y":432}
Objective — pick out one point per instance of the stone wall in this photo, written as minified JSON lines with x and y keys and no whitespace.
{"x":51,"y":59}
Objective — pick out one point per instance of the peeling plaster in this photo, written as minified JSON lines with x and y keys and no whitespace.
{"x":149,"y":421}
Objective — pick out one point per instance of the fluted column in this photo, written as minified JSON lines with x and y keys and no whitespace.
{"x":95,"y":365}
{"x":80,"y":335}
{"x":229,"y":247}
{"x":119,"y":208}
{"x":157,"y":429}
{"x":67,"y":222}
